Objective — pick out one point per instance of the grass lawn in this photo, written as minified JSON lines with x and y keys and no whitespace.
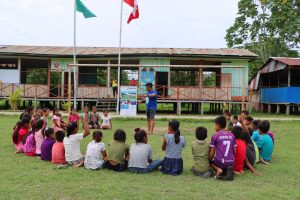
{"x":30,"y":178}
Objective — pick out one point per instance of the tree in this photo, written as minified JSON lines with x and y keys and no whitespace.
{"x":267,"y":28}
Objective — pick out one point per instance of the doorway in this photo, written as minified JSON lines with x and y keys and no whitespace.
{"x":162,"y":80}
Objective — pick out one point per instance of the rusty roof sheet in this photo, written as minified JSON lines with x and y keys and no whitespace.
{"x":105,"y":51}
{"x":288,"y":61}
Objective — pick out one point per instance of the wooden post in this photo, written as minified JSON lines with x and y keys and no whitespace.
{"x":178,"y":108}
{"x":269,"y":108}
{"x":288,"y":109}
{"x":243,"y":88}
{"x":289,"y":77}
{"x":69,"y":88}
{"x":49,"y":78}
{"x":108,"y":80}
{"x":62,"y":85}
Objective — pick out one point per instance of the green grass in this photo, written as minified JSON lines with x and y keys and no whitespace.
{"x":29,"y":178}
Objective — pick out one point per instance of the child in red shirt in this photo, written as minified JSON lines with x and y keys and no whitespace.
{"x":58,"y":149}
{"x":240,"y":155}
{"x":20,"y":133}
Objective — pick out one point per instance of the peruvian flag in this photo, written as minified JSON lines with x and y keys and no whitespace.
{"x":135,"y":12}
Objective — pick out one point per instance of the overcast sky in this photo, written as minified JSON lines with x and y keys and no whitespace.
{"x":162,"y":23}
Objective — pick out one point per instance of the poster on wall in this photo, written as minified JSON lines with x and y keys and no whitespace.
{"x":128,"y":101}
{"x":147,"y":75}
{"x":60,"y":64}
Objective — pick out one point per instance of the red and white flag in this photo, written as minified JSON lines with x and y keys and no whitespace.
{"x":135,"y":12}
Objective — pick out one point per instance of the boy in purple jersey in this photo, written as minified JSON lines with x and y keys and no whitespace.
{"x":222,"y":150}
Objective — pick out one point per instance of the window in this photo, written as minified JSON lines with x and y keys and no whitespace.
{"x":212,"y":77}
{"x":34,"y":71}
{"x":9,"y":63}
{"x":93,"y":76}
{"x":184,"y":77}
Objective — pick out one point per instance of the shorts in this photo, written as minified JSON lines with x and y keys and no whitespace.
{"x":151,"y":113}
{"x":76,"y":162}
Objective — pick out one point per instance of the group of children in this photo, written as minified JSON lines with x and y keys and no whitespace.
{"x":233,"y":148}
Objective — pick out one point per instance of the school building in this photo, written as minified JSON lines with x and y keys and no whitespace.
{"x":276,"y":86}
{"x":182,"y":76}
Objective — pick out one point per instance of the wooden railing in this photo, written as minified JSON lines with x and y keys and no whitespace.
{"x":184,"y":93}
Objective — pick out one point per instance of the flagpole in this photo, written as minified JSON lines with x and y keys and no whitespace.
{"x":119,"y":58}
{"x":74,"y":57}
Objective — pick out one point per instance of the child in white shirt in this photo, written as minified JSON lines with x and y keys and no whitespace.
{"x":106,"y":120}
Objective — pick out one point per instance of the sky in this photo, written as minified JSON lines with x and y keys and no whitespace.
{"x":162,"y":23}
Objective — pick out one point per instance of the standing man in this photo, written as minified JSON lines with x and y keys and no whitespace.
{"x":151,"y":103}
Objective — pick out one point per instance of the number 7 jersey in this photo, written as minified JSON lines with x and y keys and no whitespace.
{"x":224,"y":144}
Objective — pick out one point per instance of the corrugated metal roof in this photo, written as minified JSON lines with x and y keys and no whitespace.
{"x":105,"y":51}
{"x":288,"y":61}
{"x":273,"y":64}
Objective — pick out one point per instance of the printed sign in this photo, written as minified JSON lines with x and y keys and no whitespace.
{"x":128,"y":101}
{"x":60,"y":65}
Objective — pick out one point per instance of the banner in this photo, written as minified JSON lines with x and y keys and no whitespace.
{"x":128,"y":101}
{"x":60,"y":64}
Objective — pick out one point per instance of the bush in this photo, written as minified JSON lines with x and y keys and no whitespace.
{"x":15,"y":99}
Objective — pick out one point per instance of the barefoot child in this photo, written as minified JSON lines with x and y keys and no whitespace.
{"x":94,"y":119}
{"x":106,"y":120}
{"x":222,"y":150}
{"x":200,"y":150}
{"x":95,"y":153}
{"x":73,"y":117}
{"x":30,"y":145}
{"x":57,"y":121}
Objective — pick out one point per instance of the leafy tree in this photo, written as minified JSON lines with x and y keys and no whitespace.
{"x":267,"y":28}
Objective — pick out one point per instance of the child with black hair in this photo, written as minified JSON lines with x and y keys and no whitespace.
{"x":30,"y":144}
{"x":94,"y":118}
{"x":20,"y":133}
{"x":72,"y":143}
{"x":58,"y":149}
{"x":58,"y":124}
{"x":247,"y":121}
{"x":200,"y":150}
{"x":73,"y":117}
{"x":255,"y":134}
{"x":222,"y":150}
{"x":265,"y":144}
{"x":229,"y":124}
{"x":46,"y":148}
{"x":106,"y":120}
{"x":235,"y":121}
{"x":173,"y":145}
{"x":240,"y":155}
{"x":85,"y":114}
{"x":45,"y":117}
{"x":95,"y":153}
{"x":141,"y":157}
{"x":118,"y":152}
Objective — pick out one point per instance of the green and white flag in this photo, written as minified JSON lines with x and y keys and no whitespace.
{"x":80,"y":7}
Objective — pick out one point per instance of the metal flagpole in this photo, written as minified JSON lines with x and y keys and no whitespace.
{"x":119,"y":58}
{"x":74,"y":57}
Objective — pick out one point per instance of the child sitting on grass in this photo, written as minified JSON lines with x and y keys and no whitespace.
{"x":20,"y":133}
{"x":95,"y":153}
{"x":106,"y":120}
{"x":39,"y":136}
{"x":72,"y":143}
{"x":200,"y":150}
{"x":235,"y":121}
{"x":30,"y":145}
{"x":46,"y":148}
{"x":118,"y":152}
{"x":222,"y":150}
{"x":141,"y":157}
{"x":94,"y":119}
{"x":265,"y":144}
{"x":58,"y":149}
{"x":58,"y":124}
{"x":247,"y":121}
{"x":73,"y":117}
{"x":173,"y":145}
{"x":240,"y":155}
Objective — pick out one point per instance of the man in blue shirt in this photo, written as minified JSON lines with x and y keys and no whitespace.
{"x":151,"y":103}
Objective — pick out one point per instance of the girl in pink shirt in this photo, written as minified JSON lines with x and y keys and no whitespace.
{"x":20,"y":134}
{"x":58,"y":124}
{"x":73,"y":117}
{"x":39,"y":135}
